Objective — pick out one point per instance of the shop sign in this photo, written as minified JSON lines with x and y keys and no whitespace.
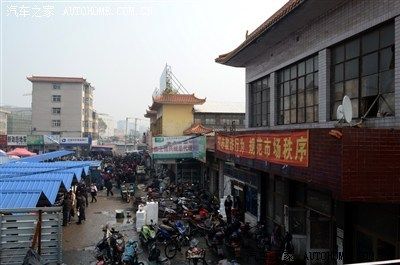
{"x":51,"y":139}
{"x":179,"y":147}
{"x":3,"y":140}
{"x":16,"y":140}
{"x":75,"y":141}
{"x":34,"y":140}
{"x":290,"y":148}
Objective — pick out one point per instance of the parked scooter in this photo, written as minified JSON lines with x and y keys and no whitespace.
{"x":130,"y":255}
{"x":109,"y":250}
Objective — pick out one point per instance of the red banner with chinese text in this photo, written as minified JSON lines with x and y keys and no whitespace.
{"x":281,"y":148}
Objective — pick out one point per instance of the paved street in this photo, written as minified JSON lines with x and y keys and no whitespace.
{"x":79,"y":240}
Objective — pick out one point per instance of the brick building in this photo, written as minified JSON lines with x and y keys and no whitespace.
{"x":335,"y":187}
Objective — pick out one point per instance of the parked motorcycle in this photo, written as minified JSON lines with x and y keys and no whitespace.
{"x":109,"y":250}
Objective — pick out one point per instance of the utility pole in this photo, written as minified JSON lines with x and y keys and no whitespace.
{"x":134,"y":136}
{"x":126,"y":132}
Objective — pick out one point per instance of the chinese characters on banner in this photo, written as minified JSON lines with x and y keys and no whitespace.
{"x":281,"y":148}
{"x":16,"y":140}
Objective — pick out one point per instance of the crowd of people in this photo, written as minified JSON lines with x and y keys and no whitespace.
{"x":75,"y":203}
{"x":116,"y":169}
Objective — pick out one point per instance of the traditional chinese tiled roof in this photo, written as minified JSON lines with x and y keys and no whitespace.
{"x":176,"y":99}
{"x":275,"y":18}
{"x":197,"y":128}
{"x":150,"y":113}
{"x":56,"y":79}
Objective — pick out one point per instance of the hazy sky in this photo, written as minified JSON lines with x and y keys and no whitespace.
{"x":124,"y":53}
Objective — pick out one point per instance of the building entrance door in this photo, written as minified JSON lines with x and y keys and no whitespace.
{"x":318,"y":239}
{"x":295,"y":223}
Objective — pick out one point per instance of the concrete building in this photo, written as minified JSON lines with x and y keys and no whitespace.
{"x":63,"y":106}
{"x":110,"y":123}
{"x":220,"y":115}
{"x":333,"y":186}
{"x":3,"y":121}
{"x":19,"y":121}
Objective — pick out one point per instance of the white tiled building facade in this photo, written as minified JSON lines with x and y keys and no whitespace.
{"x":63,"y":106}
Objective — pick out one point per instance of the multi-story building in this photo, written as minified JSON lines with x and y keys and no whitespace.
{"x":63,"y":106}
{"x":3,"y":121}
{"x":19,"y":121}
{"x":220,"y":115}
{"x":172,"y":113}
{"x":110,"y":125}
{"x":334,"y":186}
{"x":171,"y":116}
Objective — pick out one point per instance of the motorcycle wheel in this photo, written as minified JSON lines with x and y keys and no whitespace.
{"x":171,"y":249}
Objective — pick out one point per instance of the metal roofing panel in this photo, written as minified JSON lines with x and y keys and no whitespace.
{"x":49,"y":187}
{"x":46,"y":156}
{"x":21,"y":199}
{"x":66,"y":178}
{"x":24,"y":171}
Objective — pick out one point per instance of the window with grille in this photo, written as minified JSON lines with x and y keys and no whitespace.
{"x":56,"y":111}
{"x":363,"y":69}
{"x":56,"y":98}
{"x":56,"y":123}
{"x":259,"y":102}
{"x":297,"y":92}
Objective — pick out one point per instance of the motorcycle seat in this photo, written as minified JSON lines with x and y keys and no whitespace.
{"x":167,"y":227}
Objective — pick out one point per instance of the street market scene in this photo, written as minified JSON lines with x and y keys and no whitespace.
{"x":200,"y":132}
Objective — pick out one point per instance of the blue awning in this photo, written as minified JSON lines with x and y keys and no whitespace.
{"x":46,"y":156}
{"x":66,"y":178}
{"x":22,"y":199}
{"x":49,"y":187}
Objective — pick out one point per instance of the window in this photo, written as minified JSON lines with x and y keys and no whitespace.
{"x":56,"y":98}
{"x":210,"y":121}
{"x":55,"y":133}
{"x":297,"y":92}
{"x":363,"y":69}
{"x":56,"y":86}
{"x":259,"y":102}
{"x":56,"y":123}
{"x":56,"y":111}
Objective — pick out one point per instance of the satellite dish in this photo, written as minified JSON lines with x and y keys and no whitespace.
{"x":339,"y":113}
{"x":347,"y":109}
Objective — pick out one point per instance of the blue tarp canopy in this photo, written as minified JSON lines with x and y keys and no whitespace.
{"x":11,"y":199}
{"x":46,"y":156}
{"x":50,"y":188}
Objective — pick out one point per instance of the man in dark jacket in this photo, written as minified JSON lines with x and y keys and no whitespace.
{"x":228,"y":209}
{"x":67,"y":206}
{"x":109,"y":186}
{"x":80,"y":205}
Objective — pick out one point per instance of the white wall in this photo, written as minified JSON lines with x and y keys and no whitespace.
{"x":71,"y":108}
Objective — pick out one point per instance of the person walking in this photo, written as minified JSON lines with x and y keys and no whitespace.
{"x":109,"y":186}
{"x":67,"y":206}
{"x":72,"y":195}
{"x":93,"y":192}
{"x":228,"y":209}
{"x":80,"y":204}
